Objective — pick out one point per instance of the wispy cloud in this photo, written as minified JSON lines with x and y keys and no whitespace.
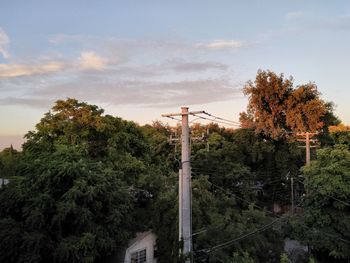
{"x":147,"y":73}
{"x":185,"y":66}
{"x":168,"y":45}
{"x":63,"y":38}
{"x":90,"y":60}
{"x":128,"y":92}
{"x":4,"y":42}
{"x":294,"y":15}
{"x":18,"y":70}
{"x":44,"y":103}
{"x":222,"y":44}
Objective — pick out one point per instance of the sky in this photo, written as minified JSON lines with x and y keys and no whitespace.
{"x":140,"y":59}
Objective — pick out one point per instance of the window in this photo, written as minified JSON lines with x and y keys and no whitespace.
{"x":139,"y":256}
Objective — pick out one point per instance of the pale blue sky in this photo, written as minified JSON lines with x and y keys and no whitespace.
{"x":138,"y":59}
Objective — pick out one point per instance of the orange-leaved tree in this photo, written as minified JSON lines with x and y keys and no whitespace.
{"x":276,"y":107}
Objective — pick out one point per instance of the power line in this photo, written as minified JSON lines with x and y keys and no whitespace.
{"x":205,"y":171}
{"x":214,"y":120}
{"x":219,"y":118}
{"x":240,"y":198}
{"x":171,"y":117}
{"x":261,"y":229}
{"x":341,"y":201}
{"x":230,"y":242}
{"x":227,"y":192}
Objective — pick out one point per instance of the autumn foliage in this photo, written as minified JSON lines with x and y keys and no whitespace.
{"x":277,"y":108}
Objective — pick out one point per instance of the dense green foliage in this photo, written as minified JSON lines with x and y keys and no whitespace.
{"x":326,"y":223}
{"x":223,"y":194}
{"x":66,"y":209}
{"x":78,"y":193}
{"x":87,"y":182}
{"x":9,"y":158}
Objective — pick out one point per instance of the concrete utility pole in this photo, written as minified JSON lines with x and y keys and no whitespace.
{"x":185,"y":191}
{"x":180,"y":205}
{"x":186,"y":183}
{"x":292,"y":192}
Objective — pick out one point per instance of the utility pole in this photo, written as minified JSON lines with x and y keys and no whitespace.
{"x":307,"y":144}
{"x":292,"y":192}
{"x":185,"y":193}
{"x":186,"y":182}
{"x":308,"y":141}
{"x":180,"y":206}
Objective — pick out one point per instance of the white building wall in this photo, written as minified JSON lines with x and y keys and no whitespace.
{"x":4,"y":182}
{"x":146,"y":240}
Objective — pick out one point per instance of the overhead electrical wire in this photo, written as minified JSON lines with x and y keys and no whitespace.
{"x":173,"y":118}
{"x":332,"y":197}
{"x":230,"y":123}
{"x":230,"y":242}
{"x":219,"y":118}
{"x":212,"y":120}
{"x":263,"y":228}
{"x":205,"y":171}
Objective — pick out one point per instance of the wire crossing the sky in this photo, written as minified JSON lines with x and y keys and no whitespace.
{"x":208,"y":117}
{"x":332,"y":197}
{"x":219,"y":118}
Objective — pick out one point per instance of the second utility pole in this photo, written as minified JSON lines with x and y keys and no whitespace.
{"x":307,"y":140}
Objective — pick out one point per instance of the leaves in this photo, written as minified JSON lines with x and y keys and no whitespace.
{"x":275,"y":107}
{"x":327,"y":206}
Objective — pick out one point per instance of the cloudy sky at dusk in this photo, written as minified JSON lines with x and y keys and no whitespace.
{"x":139,"y":59}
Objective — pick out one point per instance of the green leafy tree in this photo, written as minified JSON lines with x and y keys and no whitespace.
{"x":284,"y":258}
{"x":326,"y":224}
{"x":66,"y":209}
{"x":242,"y":258}
{"x":340,"y":134}
{"x":87,"y":182}
{"x":9,"y":158}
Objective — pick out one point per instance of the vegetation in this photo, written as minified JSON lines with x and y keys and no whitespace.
{"x":327,"y":207}
{"x":87,"y":182}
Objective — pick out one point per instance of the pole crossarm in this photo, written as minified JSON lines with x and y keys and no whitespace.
{"x":182,"y":113}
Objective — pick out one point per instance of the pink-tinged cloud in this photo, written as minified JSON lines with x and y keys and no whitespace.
{"x":18,"y":70}
{"x":222,"y":44}
{"x":90,"y":60}
{"x":141,"y":93}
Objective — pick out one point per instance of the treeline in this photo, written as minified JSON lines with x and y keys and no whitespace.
{"x":86,"y":182}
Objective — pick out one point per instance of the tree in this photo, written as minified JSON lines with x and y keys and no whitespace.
{"x":66,"y":209}
{"x":340,"y":134}
{"x":8,"y":159}
{"x":275,"y":107}
{"x":327,"y":208}
{"x":86,"y":180}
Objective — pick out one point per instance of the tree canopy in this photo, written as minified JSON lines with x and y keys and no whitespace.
{"x":326,"y":223}
{"x":76,"y":197}
{"x":276,"y":107}
{"x":86,"y":182}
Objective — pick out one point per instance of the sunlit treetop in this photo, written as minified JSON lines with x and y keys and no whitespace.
{"x":276,"y":108}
